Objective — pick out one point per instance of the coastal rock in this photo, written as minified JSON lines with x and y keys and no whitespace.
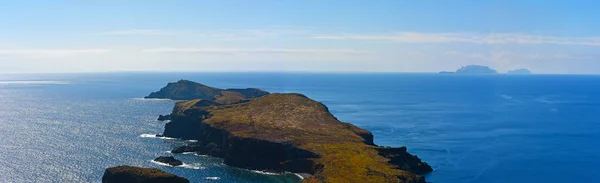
{"x":130,"y":174}
{"x":289,"y":132}
{"x":189,"y":90}
{"x":164,"y":118}
{"x":404,"y":160}
{"x":169,"y":160}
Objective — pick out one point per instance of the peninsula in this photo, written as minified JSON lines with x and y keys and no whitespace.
{"x":189,"y":90}
{"x":283,"y":133}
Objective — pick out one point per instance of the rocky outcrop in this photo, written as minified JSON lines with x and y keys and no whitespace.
{"x":164,"y":117}
{"x":404,"y":160}
{"x":290,"y":132}
{"x":189,"y":90}
{"x":170,"y":160}
{"x":130,"y":174}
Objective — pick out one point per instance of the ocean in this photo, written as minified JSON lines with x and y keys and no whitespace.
{"x":469,"y":128}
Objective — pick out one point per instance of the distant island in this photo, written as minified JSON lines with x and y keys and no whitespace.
{"x":475,"y":69}
{"x":480,"y":69}
{"x":520,"y":71}
{"x":282,"y":133}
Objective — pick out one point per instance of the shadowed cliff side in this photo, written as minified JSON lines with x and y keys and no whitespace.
{"x":290,"y":132}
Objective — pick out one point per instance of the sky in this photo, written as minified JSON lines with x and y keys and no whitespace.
{"x":550,"y":36}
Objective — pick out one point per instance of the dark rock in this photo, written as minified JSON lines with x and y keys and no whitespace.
{"x":169,"y":160}
{"x":164,"y":118}
{"x":130,"y":174}
{"x":404,"y":161}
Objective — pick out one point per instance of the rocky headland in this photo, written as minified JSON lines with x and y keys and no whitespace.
{"x":284,"y":133}
{"x":189,"y":90}
{"x":131,"y":174}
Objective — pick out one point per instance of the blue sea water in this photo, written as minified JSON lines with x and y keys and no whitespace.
{"x":469,"y":128}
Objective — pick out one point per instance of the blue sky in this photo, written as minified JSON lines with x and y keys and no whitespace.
{"x":322,"y":36}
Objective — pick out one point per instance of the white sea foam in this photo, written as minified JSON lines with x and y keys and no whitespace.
{"x":154,"y":136}
{"x":212,"y":178}
{"x":153,"y":99}
{"x":190,"y":166}
{"x":191,"y":140}
{"x":194,"y":153}
{"x":160,"y":163}
{"x":298,"y":175}
{"x":265,"y":173}
{"x":193,"y":166}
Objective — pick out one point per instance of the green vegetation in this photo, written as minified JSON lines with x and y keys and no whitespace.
{"x":142,"y":175}
{"x":346,"y":152}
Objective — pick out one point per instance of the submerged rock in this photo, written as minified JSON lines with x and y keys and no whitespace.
{"x":169,"y":160}
{"x":131,"y":174}
{"x":290,"y":133}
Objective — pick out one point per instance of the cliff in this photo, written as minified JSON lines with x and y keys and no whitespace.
{"x":290,"y":132}
{"x":130,"y":174}
{"x":188,"y":90}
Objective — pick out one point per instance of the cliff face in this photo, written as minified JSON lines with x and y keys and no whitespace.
{"x":290,"y":132}
{"x":189,"y":90}
{"x":130,"y":174}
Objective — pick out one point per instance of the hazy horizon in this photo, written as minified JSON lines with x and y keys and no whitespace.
{"x":306,"y":36}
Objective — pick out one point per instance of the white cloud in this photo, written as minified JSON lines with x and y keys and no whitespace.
{"x":255,"y":51}
{"x":222,"y":34}
{"x":52,"y":51}
{"x":136,"y":32}
{"x":494,"y":38}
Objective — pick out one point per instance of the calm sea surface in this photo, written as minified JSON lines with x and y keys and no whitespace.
{"x":469,"y":128}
